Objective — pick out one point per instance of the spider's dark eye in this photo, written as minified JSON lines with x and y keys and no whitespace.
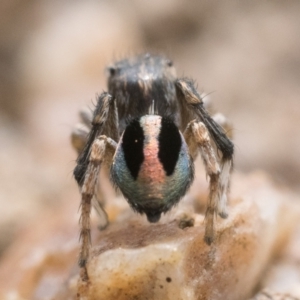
{"x":132,"y":144}
{"x":170,"y":63}
{"x":169,"y":145}
{"x":112,"y":71}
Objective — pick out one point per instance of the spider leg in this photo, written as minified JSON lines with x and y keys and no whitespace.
{"x":102,"y":149}
{"x":79,"y":137}
{"x":86,"y":116}
{"x":191,"y":106}
{"x":97,"y":203}
{"x":227,"y":166}
{"x":81,"y":130}
{"x":94,"y":123}
{"x":105,"y":121}
{"x":98,"y":149}
{"x":224,"y":123}
{"x":197,"y":138}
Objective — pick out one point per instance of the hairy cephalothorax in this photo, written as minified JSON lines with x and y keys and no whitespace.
{"x":149,"y":128}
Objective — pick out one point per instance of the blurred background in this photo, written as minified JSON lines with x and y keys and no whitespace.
{"x":53,"y":54}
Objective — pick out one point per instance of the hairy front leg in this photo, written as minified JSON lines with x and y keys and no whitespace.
{"x":198,"y":140}
{"x":102,"y":150}
{"x":192,"y":107}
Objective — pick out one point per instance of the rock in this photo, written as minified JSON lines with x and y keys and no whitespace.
{"x":133,"y":260}
{"x":271,"y":295}
{"x":282,"y":279}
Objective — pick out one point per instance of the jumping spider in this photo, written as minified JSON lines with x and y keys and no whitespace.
{"x":149,"y":128}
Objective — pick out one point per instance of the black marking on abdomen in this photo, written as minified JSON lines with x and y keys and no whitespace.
{"x":169,"y":145}
{"x":133,"y":146}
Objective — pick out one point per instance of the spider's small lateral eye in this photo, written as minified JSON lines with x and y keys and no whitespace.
{"x":169,"y":63}
{"x":112,"y":71}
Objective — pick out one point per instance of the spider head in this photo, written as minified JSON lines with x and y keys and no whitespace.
{"x":135,"y":82}
{"x":152,"y":166}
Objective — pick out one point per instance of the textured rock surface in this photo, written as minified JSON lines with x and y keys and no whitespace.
{"x":282,"y":279}
{"x":133,"y":259}
{"x":162,"y":261}
{"x":271,"y":295}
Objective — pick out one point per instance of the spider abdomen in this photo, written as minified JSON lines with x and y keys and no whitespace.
{"x":152,"y":166}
